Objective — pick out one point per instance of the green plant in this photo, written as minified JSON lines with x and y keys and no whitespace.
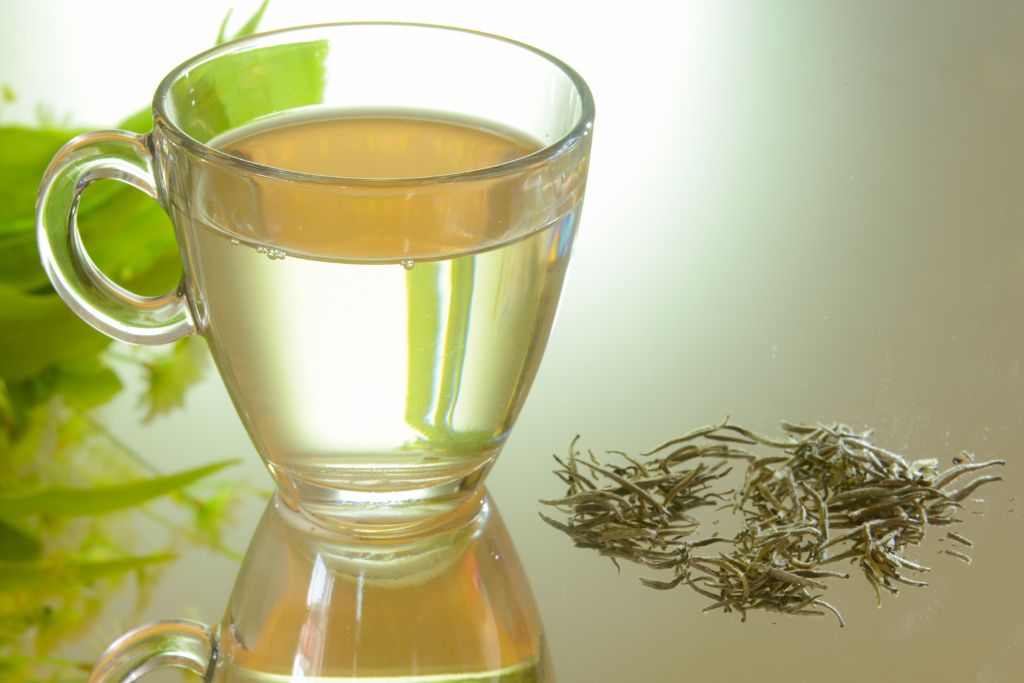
{"x":72,"y":497}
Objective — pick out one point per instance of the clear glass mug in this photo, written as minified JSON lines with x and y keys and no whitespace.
{"x":311,"y":604}
{"x":377,"y":383}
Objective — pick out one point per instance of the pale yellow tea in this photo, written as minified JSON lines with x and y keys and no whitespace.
{"x":396,"y":329}
{"x":454,"y":607}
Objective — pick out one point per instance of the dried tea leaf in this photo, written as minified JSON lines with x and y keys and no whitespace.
{"x":831,"y":495}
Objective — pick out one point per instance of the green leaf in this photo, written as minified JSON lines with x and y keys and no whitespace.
{"x":221,"y":36}
{"x":231,"y":91}
{"x":18,"y":544}
{"x":169,"y":377}
{"x":213,"y":511}
{"x":125,"y":231}
{"x":48,"y":117}
{"x":250,"y":26}
{"x":6,"y":407}
{"x":31,"y":439}
{"x":130,"y":238}
{"x":22,"y":575}
{"x":29,"y":148}
{"x":92,"y":570}
{"x":38,"y":330}
{"x":86,"y":382}
{"x":128,"y":235}
{"x":19,"y":256}
{"x":24,"y":155}
{"x":247,"y":29}
{"x":72,"y":502}
{"x":17,"y":226}
{"x":140,"y":122}
{"x":8,"y":659}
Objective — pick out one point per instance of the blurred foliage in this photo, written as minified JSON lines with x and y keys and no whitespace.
{"x":75,"y":530}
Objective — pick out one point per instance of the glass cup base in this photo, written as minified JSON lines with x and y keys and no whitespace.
{"x":388,"y":511}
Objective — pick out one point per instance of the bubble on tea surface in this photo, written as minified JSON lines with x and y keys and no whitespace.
{"x":270,"y":253}
{"x":234,"y":241}
{"x":408,"y":263}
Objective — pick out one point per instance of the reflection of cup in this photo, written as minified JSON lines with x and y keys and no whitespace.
{"x":377,"y":335}
{"x":311,"y":604}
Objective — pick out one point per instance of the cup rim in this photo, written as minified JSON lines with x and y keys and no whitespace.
{"x":538,"y":157}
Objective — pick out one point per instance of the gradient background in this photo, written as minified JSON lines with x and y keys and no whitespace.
{"x":797,"y":210}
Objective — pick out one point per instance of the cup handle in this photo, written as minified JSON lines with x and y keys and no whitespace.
{"x":98,"y":300}
{"x":175,"y":643}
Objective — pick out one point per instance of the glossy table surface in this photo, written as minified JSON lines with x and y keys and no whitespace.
{"x":802,"y":212}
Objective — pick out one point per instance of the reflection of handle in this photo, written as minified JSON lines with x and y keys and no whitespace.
{"x":177,"y":643}
{"x":91,"y":294}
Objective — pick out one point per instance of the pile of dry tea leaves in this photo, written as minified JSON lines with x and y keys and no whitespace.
{"x":824,"y":497}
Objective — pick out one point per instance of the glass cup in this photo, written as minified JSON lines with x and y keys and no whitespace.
{"x":309,"y":604}
{"x":377,"y":379}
